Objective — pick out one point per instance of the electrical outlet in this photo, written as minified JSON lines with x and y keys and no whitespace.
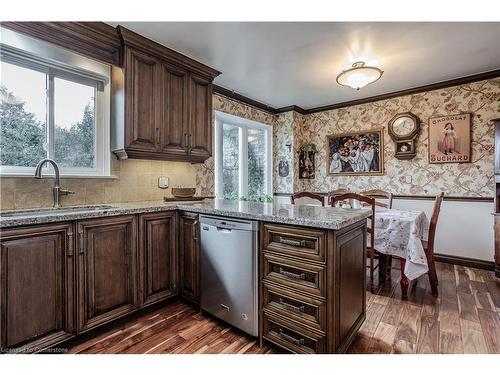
{"x":408,"y":179}
{"x":163,"y":182}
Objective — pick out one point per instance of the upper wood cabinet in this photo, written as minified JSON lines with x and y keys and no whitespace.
{"x":36,"y":286}
{"x":142,"y":102}
{"x":200,"y":135}
{"x":174,"y":131}
{"x":167,"y":100}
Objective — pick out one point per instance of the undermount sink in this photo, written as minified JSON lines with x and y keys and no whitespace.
{"x":60,"y":210}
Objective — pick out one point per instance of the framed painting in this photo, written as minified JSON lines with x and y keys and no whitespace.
{"x":358,"y":153}
{"x":450,"y":139}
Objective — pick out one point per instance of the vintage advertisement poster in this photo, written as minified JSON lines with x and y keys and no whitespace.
{"x":450,"y":139}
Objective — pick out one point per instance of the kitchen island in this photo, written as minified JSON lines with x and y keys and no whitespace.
{"x":102,"y":263}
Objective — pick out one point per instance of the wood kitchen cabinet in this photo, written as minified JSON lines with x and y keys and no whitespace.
{"x":107,"y":270}
{"x":142,"y":109}
{"x":175,"y":129}
{"x":167,"y":99}
{"x":200,"y":118}
{"x":189,"y":256}
{"x":36,"y":286}
{"x":496,"y":123}
{"x":313,"y":297}
{"x":157,"y":256}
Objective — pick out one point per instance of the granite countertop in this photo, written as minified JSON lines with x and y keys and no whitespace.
{"x":311,"y":216}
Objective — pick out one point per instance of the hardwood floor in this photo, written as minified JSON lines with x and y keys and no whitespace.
{"x":465,"y":318}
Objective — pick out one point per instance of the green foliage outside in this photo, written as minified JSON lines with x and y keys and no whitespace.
{"x":22,"y":136}
{"x":231,"y":168}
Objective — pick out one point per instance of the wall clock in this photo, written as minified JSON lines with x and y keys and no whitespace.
{"x":404,"y":129}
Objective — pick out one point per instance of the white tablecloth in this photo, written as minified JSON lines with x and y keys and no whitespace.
{"x":400,"y":233}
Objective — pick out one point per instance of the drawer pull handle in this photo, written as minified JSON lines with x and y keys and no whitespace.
{"x":298,"y":342}
{"x":291,"y":307}
{"x":292,"y":275}
{"x":70,"y":244}
{"x":295,"y":243}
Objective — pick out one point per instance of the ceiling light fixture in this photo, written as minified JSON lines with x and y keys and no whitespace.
{"x":359,"y":75}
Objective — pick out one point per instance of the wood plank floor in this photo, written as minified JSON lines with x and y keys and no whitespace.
{"x":465,"y":318}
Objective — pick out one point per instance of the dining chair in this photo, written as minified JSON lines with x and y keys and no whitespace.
{"x":378,"y":193}
{"x":306,"y":194}
{"x":370,"y":249}
{"x":429,"y":252}
{"x":335,"y":192}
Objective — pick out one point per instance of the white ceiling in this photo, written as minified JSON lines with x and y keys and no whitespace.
{"x":282,"y":64}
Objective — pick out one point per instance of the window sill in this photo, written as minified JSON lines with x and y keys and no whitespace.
{"x":62,"y":175}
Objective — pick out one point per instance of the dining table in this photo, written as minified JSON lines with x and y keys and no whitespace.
{"x":400,"y":233}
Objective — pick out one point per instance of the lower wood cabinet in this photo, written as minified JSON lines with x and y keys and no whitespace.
{"x":36,"y":286}
{"x":189,"y":256}
{"x":157,"y":256}
{"x":107,"y":270}
{"x":313,"y":297}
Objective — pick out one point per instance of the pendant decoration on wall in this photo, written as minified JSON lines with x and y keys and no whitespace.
{"x":404,"y":129}
{"x":283,"y":168}
{"x":306,"y":161}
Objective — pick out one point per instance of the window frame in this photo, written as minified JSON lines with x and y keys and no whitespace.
{"x":243,"y":124}
{"x":55,"y":69}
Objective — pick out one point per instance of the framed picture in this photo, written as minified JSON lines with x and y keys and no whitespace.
{"x":307,"y":168}
{"x":450,"y":139}
{"x":359,"y":153}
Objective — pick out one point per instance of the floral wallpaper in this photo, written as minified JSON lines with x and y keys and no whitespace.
{"x":283,"y":146}
{"x":205,"y":172}
{"x":473,"y":179}
{"x":468,"y":179}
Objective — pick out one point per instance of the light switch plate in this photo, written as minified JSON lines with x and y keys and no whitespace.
{"x":163,"y":182}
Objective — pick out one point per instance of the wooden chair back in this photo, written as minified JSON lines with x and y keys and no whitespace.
{"x":433,"y":224}
{"x":336,"y":192}
{"x":377,"y":193}
{"x":308,"y":195}
{"x":362,"y":199}
{"x":369,"y":201}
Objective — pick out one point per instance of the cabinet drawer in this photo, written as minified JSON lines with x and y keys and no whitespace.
{"x":304,"y":277}
{"x":296,"y":242}
{"x":288,"y":336}
{"x":304,"y":310}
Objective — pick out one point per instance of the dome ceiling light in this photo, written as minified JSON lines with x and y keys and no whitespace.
{"x":359,"y":75}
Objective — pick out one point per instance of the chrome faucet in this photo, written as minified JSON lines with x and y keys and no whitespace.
{"x":56,"y":190}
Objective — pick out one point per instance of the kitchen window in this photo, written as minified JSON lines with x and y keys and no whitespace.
{"x":243,"y":158}
{"x":52,"y":109}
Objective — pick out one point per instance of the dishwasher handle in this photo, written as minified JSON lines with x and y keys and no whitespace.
{"x":224,"y":230}
{"x":229,"y":223}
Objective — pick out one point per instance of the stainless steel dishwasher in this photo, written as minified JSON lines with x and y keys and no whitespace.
{"x":229,"y":271}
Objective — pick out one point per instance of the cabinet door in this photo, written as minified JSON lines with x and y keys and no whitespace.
{"x":189,"y":256}
{"x":107,"y":266}
{"x":143,"y":101}
{"x":200,"y":114}
{"x":174,"y":128}
{"x":36,"y":286}
{"x":157,"y":256}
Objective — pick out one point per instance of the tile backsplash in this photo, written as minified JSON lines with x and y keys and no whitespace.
{"x":136,"y":180}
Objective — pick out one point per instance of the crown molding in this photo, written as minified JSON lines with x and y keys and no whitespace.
{"x":294,"y":108}
{"x":414,"y":90}
{"x":243,"y":99}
